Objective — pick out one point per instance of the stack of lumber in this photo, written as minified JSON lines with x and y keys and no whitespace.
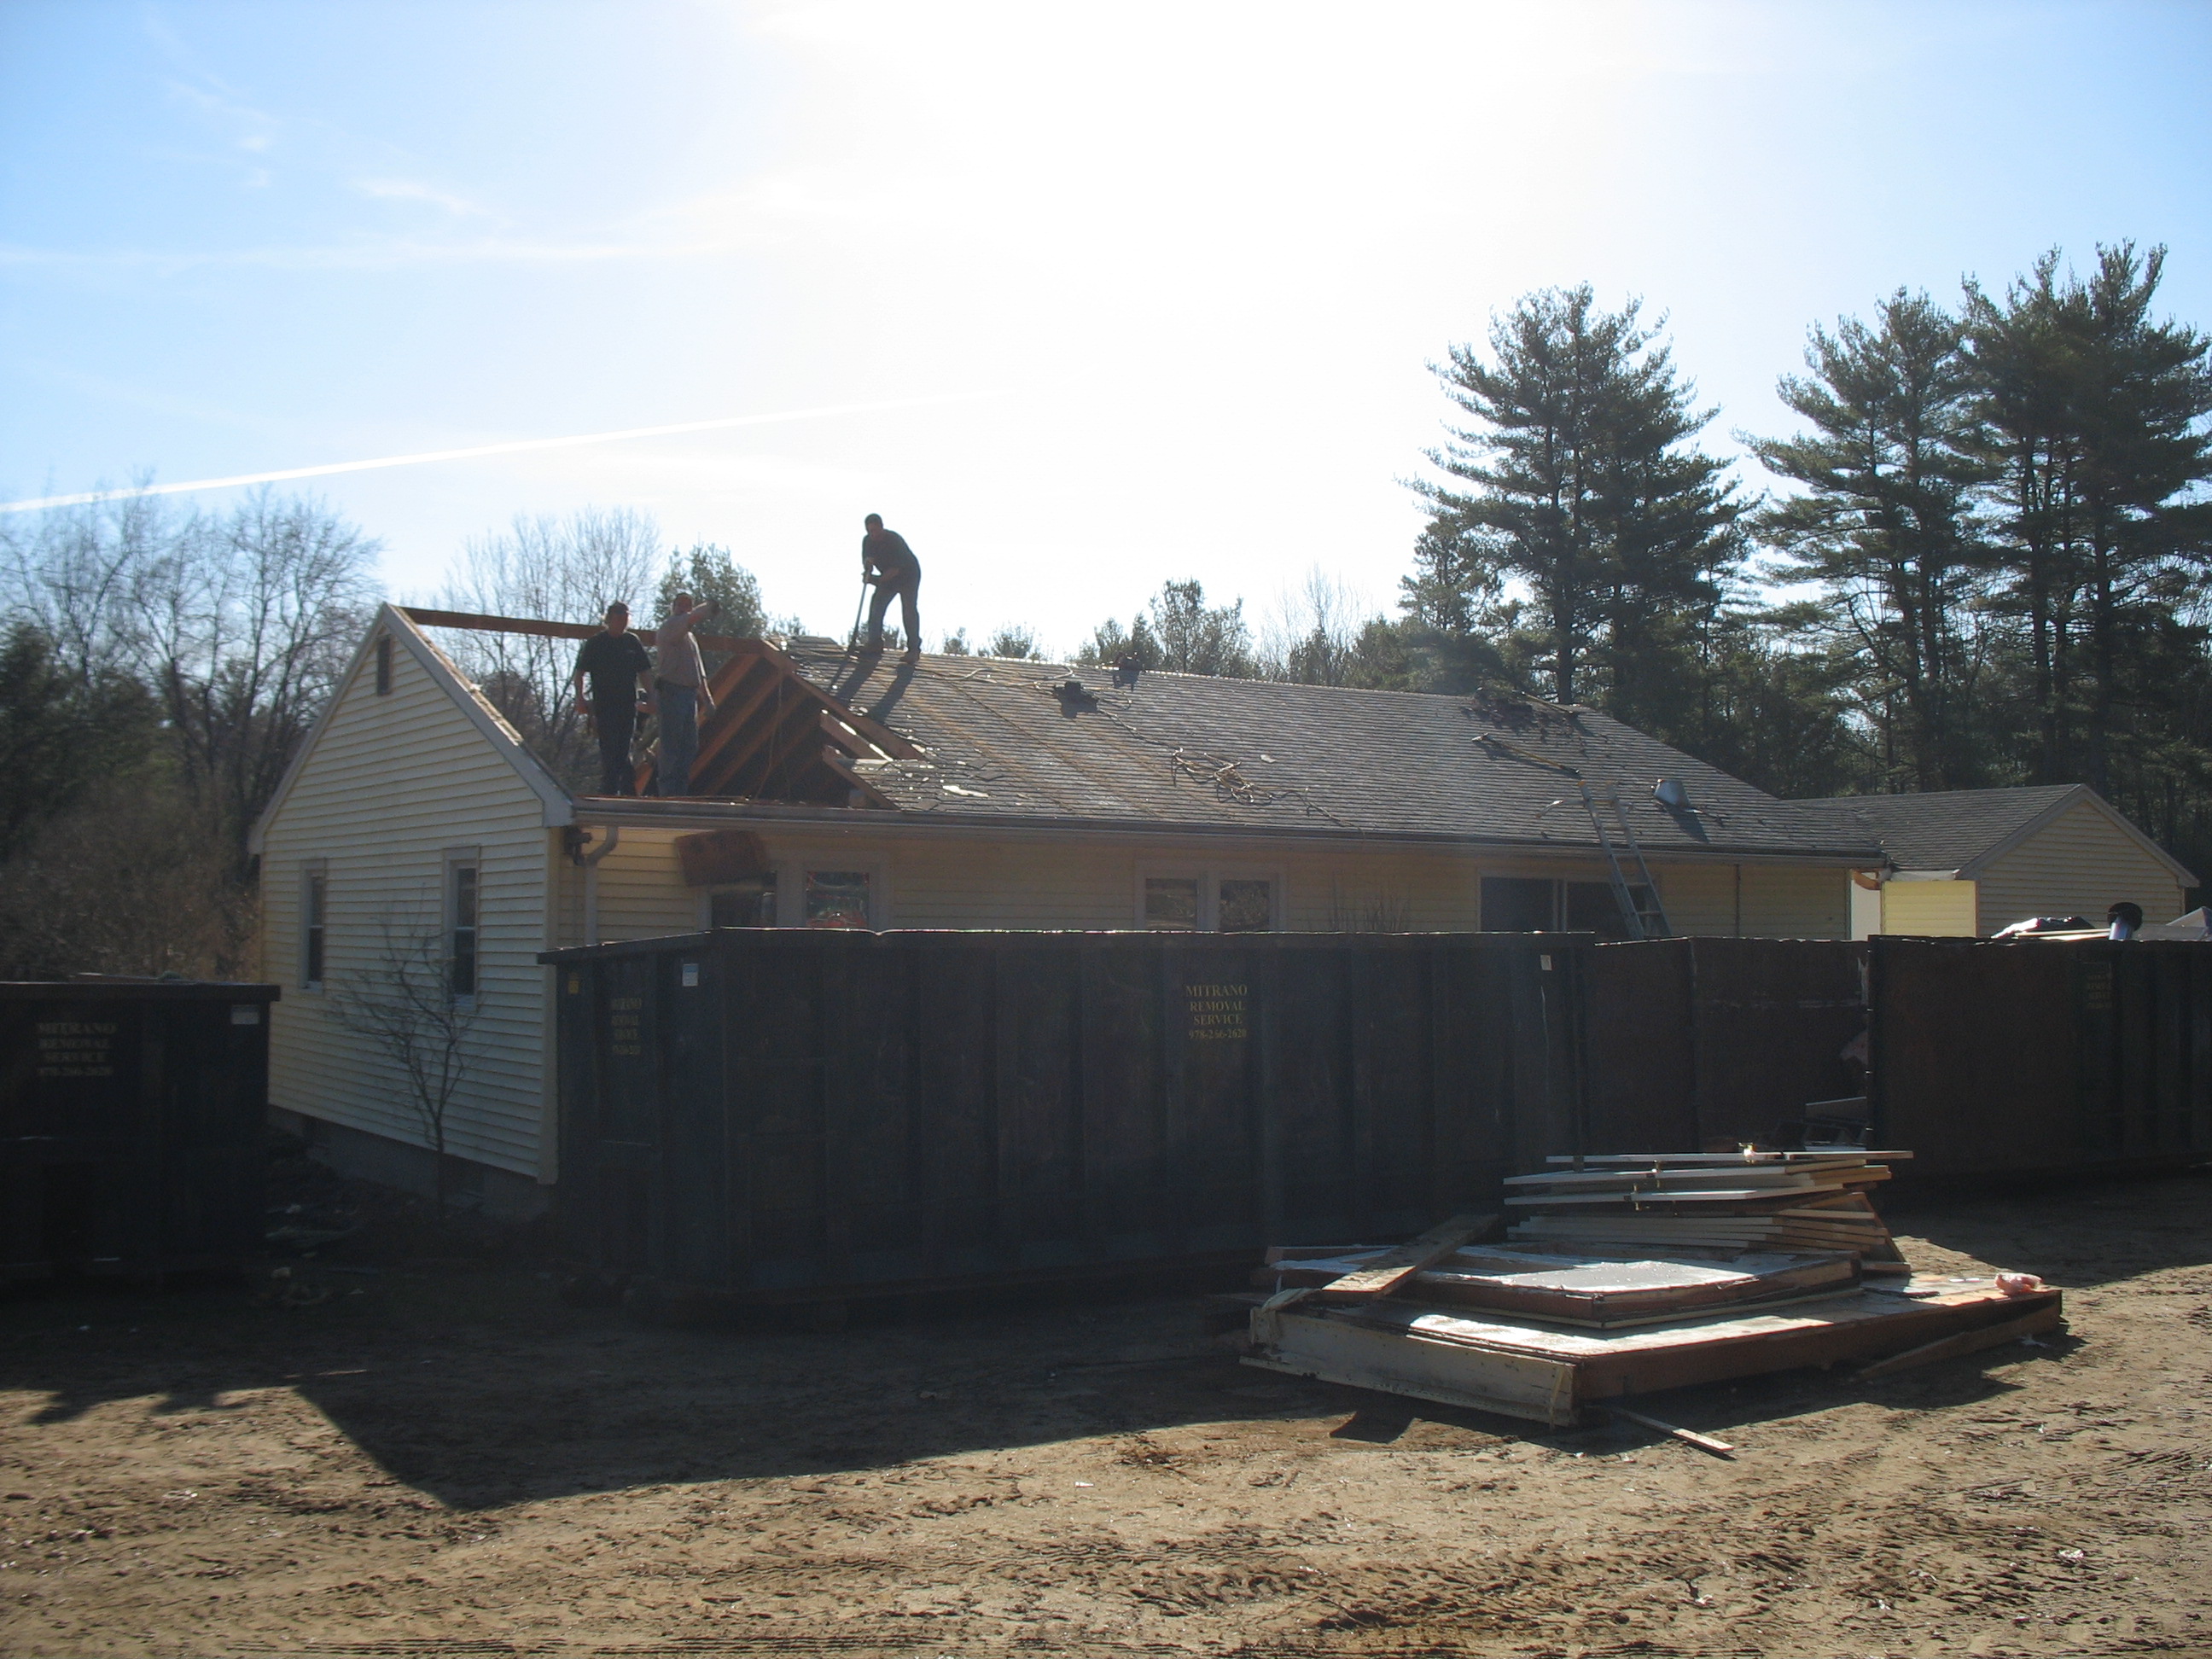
{"x":1728,"y":1202}
{"x":1598,"y":1292}
{"x":1629,"y":1274}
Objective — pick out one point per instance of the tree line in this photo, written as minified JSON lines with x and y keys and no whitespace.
{"x":159,"y":669}
{"x":1985,"y":560}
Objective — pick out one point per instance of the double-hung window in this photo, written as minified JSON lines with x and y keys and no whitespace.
{"x":463,"y":902}
{"x":315,"y":923}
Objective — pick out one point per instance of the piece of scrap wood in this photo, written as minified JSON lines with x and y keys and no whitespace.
{"x":1386,"y":1272}
{"x":1704,"y":1442}
{"x":2046,"y":1318}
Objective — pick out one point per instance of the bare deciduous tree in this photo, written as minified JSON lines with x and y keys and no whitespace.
{"x":403,"y":1004}
{"x":246,"y":622}
{"x":559,"y":570}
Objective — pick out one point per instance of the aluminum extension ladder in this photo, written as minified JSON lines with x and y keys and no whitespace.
{"x":1641,"y":922}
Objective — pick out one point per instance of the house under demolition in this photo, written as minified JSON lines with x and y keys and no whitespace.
{"x":845,"y":790}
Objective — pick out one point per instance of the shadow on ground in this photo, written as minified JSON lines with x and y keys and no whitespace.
{"x":477,"y":1385}
{"x":2112,"y":1228}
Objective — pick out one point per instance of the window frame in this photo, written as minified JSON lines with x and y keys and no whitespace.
{"x":457,"y":860}
{"x":384,"y":666}
{"x":788,"y":870}
{"x":1209,"y":878}
{"x":1560,"y":921}
{"x":773,"y":878}
{"x":313,"y":951}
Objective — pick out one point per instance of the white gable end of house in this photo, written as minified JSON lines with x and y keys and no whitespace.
{"x":393,"y":790}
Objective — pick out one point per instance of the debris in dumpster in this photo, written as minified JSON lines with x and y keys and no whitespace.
{"x":1649,"y":1296}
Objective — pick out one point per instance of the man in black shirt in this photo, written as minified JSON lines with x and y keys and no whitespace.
{"x":888,"y":562}
{"x":619,"y":668}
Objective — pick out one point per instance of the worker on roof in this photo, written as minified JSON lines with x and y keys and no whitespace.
{"x":621,"y":674}
{"x":679,"y":687}
{"x":888,"y":562}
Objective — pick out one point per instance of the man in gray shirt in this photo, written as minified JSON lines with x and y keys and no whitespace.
{"x":679,"y":685}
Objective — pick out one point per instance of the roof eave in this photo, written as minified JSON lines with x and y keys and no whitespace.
{"x":612,"y":809}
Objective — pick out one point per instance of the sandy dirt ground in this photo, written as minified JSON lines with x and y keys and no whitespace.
{"x":454,"y":1460}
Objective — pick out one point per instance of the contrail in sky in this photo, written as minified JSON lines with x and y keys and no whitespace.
{"x":515,"y":448}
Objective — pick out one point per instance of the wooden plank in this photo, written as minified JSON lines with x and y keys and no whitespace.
{"x":793,"y":748}
{"x":1515,"y":1385}
{"x":1704,"y":1443}
{"x":2048,"y":1318}
{"x":1706,"y":1160}
{"x":723,"y":726}
{"x":1388,"y":1271}
{"x":477,"y":622}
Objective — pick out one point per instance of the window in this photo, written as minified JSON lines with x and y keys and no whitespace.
{"x":1540,"y":904}
{"x":1207,"y":902}
{"x":1244,"y":904}
{"x":384,"y":665}
{"x":750,"y":904}
{"x":837,"y":898}
{"x":1171,"y":903}
{"x":463,"y":901}
{"x":314,"y":914}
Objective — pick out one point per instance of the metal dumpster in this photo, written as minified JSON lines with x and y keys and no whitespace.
{"x":131,"y":1125}
{"x":788,"y":1115}
{"x":1698,"y":1040}
{"x":1996,"y":1057}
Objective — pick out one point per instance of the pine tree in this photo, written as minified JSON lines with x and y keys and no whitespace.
{"x":1885,"y":524}
{"x":1576,"y":478}
{"x":2096,"y":414}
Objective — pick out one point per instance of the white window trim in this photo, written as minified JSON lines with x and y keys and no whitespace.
{"x":310,"y":871}
{"x":1209,"y":878}
{"x":790,"y":871}
{"x":461,"y":857}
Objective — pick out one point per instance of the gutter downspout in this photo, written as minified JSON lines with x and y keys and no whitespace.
{"x":589,"y":863}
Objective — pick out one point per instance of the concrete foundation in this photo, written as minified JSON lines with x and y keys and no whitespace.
{"x":498,"y":1194}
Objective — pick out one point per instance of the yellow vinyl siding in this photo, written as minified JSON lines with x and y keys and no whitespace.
{"x":2079,"y":864}
{"x":1944,"y":908}
{"x":392,"y":783}
{"x":1782,"y":901}
{"x":1088,"y":881}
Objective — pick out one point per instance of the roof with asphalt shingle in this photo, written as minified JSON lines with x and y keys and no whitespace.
{"x":1007,"y":738}
{"x":1946,"y":829}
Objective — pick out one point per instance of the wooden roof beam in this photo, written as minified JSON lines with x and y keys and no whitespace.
{"x":770,"y":740}
{"x":477,"y":622}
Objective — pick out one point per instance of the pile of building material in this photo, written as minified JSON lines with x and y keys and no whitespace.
{"x":1548,"y":1323}
{"x":1725,"y":1201}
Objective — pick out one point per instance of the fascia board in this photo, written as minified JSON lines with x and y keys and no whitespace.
{"x":650,"y":812}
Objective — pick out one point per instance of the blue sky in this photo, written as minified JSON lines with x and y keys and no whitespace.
{"x":1174,"y":273}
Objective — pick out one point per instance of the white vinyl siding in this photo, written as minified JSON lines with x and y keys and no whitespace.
{"x":378,"y":799}
{"x":2081,"y":864}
